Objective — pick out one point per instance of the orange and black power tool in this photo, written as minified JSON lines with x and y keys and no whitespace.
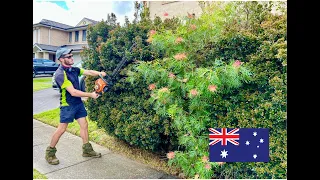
{"x":102,"y":84}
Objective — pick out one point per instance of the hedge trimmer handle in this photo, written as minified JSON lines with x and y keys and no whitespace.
{"x":102,"y":84}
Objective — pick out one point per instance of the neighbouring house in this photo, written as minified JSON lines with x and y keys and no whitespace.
{"x":169,"y":9}
{"x":172,"y":8}
{"x":49,"y":35}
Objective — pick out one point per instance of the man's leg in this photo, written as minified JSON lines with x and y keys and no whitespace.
{"x":83,"y":129}
{"x":86,"y":147}
{"x":57,"y":134}
{"x":51,"y":150}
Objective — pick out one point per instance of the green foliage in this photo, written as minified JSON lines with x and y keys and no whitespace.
{"x":186,"y":94}
{"x":226,"y":68}
{"x":38,"y":175}
{"x":239,"y":34}
{"x":124,"y":111}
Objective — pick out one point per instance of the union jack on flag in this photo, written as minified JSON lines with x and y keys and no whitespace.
{"x":239,"y":145}
{"x":224,"y":136}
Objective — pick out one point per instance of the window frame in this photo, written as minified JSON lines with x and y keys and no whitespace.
{"x":84,"y":32}
{"x":70,"y":37}
{"x":76,"y":36}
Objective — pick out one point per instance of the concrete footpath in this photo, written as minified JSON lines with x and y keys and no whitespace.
{"x":74,"y":166}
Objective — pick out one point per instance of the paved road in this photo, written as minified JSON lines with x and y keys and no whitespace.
{"x":72,"y":165}
{"x":45,"y":100}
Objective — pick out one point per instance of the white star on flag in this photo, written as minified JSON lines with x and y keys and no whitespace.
{"x":224,"y":153}
{"x":247,"y":142}
{"x":255,"y":133}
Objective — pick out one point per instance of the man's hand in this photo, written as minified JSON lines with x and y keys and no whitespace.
{"x":94,"y":95}
{"x":103,"y":73}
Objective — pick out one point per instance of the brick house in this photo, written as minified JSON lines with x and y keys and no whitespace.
{"x":49,"y":35}
{"x":173,"y":8}
{"x":182,"y":8}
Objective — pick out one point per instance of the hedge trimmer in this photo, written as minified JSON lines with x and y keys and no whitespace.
{"x":103,"y":84}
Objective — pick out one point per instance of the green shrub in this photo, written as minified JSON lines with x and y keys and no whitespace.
{"x":258,"y":103}
{"x":225,"y":69}
{"x":124,"y":111}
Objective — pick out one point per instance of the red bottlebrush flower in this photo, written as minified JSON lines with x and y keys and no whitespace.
{"x":165,"y":89}
{"x":237,"y":63}
{"x":152,"y":86}
{"x":207,"y":166}
{"x":212,"y":88}
{"x":180,"y":56}
{"x":178,"y":40}
{"x":149,"y":40}
{"x":193,"y":27}
{"x":170,"y":155}
{"x":182,"y":175}
{"x":184,"y":80}
{"x":190,"y":16}
{"x":99,"y":39}
{"x":205,"y":159}
{"x":152,"y":32}
{"x":194,"y":92}
{"x":165,"y":14}
{"x":171,"y":75}
{"x":99,"y":48}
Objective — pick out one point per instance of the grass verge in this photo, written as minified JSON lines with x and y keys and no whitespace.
{"x":41,"y":83}
{"x":100,"y":137}
{"x":38,"y":175}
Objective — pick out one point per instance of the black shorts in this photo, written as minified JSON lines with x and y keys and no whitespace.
{"x":69,"y":113}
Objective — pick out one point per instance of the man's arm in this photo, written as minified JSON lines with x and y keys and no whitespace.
{"x":78,"y":93}
{"x":64,"y":83}
{"x":93,"y":73}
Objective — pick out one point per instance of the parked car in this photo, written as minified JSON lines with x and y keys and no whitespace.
{"x":44,"y":66}
{"x":81,"y":79}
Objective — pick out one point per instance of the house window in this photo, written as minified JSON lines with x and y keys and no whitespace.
{"x":70,"y":37}
{"x":76,"y":39}
{"x":34,"y":36}
{"x":38,"y":33}
{"x":84,"y":35}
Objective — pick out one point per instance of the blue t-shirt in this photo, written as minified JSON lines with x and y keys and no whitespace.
{"x":65,"y":77}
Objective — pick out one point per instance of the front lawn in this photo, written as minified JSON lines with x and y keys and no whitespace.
{"x":38,"y":175}
{"x":42,"y":83}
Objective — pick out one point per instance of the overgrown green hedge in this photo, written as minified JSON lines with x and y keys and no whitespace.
{"x":226,"y":68}
{"x":124,"y":111}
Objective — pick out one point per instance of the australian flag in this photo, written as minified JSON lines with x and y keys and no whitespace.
{"x":239,"y":145}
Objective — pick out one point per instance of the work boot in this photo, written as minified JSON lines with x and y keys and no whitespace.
{"x":88,"y":151}
{"x":51,"y":156}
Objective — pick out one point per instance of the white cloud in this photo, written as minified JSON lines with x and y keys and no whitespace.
{"x":78,"y":9}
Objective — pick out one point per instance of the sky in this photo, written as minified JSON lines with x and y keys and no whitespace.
{"x":71,"y":12}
